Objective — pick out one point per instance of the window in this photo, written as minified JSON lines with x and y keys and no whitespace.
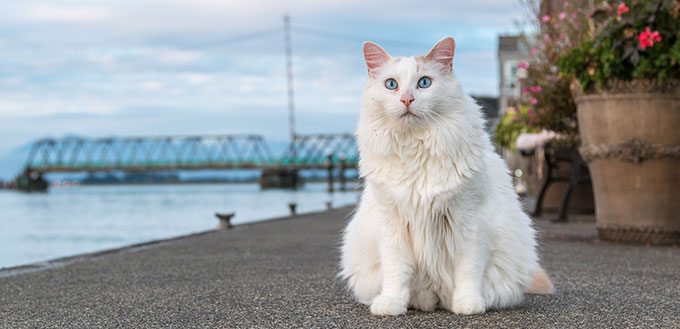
{"x":510,"y":74}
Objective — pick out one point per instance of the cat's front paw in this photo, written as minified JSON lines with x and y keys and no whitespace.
{"x":468,"y":305}
{"x":384,"y":305}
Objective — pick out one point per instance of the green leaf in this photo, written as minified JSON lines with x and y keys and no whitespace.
{"x":600,"y":15}
{"x":652,"y":6}
{"x":635,"y":58}
{"x":628,"y":51}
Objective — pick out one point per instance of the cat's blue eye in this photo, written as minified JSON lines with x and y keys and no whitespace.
{"x":424,"y":82}
{"x":391,"y":84}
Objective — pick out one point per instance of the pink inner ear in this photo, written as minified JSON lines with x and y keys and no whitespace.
{"x":443,"y":52}
{"x":375,"y":56}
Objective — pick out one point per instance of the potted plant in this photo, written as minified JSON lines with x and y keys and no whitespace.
{"x":627,"y":93}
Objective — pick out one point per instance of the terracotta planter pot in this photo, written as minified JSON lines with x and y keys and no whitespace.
{"x":631,"y":140}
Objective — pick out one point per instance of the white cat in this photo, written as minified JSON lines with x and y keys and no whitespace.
{"x":439,"y":224}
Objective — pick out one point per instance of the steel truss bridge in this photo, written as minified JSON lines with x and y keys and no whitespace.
{"x":320,"y":151}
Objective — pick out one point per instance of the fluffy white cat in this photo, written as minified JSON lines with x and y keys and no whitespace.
{"x":439,"y":224}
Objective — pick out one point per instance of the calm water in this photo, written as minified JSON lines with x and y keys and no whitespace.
{"x":69,"y":221}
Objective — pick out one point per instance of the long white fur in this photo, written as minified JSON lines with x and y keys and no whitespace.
{"x":439,"y":224}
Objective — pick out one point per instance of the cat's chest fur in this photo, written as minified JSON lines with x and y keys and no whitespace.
{"x":410,"y":169}
{"x":426,"y":191}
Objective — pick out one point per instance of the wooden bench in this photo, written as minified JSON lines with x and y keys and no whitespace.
{"x":554,"y":157}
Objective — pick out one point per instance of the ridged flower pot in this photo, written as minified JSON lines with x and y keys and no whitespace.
{"x":630,"y":137}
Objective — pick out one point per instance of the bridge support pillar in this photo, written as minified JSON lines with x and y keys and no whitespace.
{"x":31,"y":181}
{"x":280,"y":178}
{"x":343,"y":167}
{"x":330,"y":173}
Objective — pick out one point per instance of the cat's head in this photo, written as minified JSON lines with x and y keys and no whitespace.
{"x":409,"y":91}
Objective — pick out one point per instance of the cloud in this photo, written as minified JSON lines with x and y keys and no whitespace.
{"x":141,"y":19}
{"x":48,"y":13}
{"x":152,"y":86}
{"x":176,"y":56}
{"x":195,"y":59}
{"x":23,"y":106}
{"x":197,"y":78}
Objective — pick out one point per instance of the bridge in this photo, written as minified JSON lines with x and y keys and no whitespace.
{"x":167,"y":153}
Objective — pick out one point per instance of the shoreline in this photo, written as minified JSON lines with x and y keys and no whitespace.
{"x":77,"y":258}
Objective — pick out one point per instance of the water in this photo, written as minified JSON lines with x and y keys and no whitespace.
{"x":70,"y":221}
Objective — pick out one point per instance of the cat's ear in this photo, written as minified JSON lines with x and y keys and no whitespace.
{"x":375,"y":57}
{"x":443,"y":52}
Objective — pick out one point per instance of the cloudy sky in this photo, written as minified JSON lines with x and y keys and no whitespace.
{"x":152,"y":67}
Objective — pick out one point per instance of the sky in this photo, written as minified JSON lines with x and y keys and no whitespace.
{"x":186,"y":67}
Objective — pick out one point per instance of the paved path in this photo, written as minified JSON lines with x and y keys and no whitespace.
{"x":281,"y":274}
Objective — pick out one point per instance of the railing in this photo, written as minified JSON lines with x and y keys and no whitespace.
{"x":312,"y":151}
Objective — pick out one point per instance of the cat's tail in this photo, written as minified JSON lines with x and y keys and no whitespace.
{"x":541,"y":284}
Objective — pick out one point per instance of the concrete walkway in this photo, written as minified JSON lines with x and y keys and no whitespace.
{"x":281,"y":274}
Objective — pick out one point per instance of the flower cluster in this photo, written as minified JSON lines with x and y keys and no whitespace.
{"x":647,"y":38}
{"x":632,"y":39}
{"x":534,"y":89}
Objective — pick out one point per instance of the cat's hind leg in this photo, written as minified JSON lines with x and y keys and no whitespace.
{"x":360,"y":254}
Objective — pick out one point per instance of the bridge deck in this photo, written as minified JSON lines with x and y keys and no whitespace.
{"x":219,"y":152}
{"x":194,"y":165}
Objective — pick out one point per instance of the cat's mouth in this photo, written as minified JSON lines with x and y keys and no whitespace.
{"x":408,"y":114}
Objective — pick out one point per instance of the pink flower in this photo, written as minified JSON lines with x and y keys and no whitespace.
{"x":534,"y":51}
{"x":548,"y":39}
{"x":534,"y":101}
{"x":546,"y":18}
{"x":566,"y":3}
{"x":531,"y":111}
{"x":526,"y":90}
{"x":515,"y":118}
{"x":523,"y":65}
{"x":647,"y":38}
{"x":563,"y":15}
{"x":622,"y":9}
{"x":536,"y":89}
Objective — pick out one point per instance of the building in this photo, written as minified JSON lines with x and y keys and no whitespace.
{"x":509,"y":57}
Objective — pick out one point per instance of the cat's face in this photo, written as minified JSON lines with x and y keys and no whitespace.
{"x":408,"y":91}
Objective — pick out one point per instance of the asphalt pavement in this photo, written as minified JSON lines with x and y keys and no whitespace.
{"x":282,"y":274}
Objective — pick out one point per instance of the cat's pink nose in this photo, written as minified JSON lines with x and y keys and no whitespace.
{"x":407,"y":98}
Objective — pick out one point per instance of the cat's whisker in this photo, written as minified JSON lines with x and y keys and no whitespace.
{"x":429,"y":118}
